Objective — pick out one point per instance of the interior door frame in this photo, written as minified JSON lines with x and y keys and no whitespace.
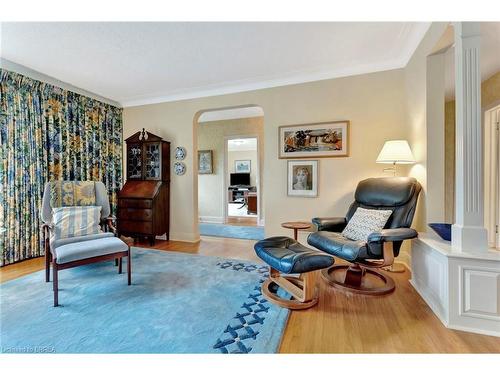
{"x":492,"y":174}
{"x":258,"y":180}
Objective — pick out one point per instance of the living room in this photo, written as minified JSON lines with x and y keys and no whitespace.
{"x":306,"y":195}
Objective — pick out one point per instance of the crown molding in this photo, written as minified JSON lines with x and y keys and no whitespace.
{"x":266,"y":83}
{"x":417,"y":32}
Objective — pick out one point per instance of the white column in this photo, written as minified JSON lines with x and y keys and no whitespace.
{"x":468,"y":232}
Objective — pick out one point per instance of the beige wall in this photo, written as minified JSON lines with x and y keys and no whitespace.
{"x":211,"y":136}
{"x":449,"y":172}
{"x":490,"y":91}
{"x":435,"y":93}
{"x":374,"y":104}
{"x":490,"y":96}
{"x":233,"y":156}
{"x":415,"y":77}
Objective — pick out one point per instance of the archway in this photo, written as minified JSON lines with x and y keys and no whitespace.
{"x":216,"y":133}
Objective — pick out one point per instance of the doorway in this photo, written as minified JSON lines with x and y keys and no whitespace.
{"x":242,"y":177}
{"x":492,"y":175}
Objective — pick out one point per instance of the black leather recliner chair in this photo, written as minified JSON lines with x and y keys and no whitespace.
{"x":398,"y":194}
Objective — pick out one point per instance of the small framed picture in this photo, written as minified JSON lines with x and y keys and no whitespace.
{"x":205,"y":162}
{"x":242,"y":166}
{"x":303,"y":178}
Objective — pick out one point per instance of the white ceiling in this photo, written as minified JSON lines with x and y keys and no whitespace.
{"x":243,"y":144}
{"x":489,"y":58}
{"x":140,"y":63}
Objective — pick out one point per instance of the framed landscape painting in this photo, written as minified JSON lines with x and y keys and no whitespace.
{"x":302,"y":178}
{"x":320,"y":140}
{"x":242,"y":166}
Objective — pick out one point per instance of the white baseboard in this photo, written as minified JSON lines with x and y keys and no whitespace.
{"x":211,"y":219}
{"x":185,"y":237}
{"x":436,"y":309}
{"x":182,"y":237}
{"x":473,"y":330}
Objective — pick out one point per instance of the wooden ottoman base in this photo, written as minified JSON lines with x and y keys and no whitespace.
{"x":303,"y":289}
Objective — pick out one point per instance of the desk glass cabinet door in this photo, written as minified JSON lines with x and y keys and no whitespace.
{"x":134,"y":161}
{"x":152,"y":161}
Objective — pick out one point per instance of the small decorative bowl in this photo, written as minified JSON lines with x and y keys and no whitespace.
{"x":179,"y":168}
{"x":180,"y":153}
{"x":443,"y":230}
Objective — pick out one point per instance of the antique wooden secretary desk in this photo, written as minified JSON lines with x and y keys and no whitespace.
{"x":144,"y":200}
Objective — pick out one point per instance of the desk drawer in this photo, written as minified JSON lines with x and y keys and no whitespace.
{"x":135,"y":203}
{"x":129,"y":226}
{"x":142,"y":214}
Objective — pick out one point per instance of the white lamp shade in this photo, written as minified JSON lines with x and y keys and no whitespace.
{"x":396,"y":152}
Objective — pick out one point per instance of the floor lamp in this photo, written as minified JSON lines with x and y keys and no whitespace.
{"x":395,"y":152}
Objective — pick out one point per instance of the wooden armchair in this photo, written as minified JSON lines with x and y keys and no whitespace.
{"x":69,"y":252}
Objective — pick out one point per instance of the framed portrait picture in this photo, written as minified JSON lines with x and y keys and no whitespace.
{"x":242,"y":166}
{"x":303,"y":178}
{"x":205,"y":162}
{"x":320,"y":140}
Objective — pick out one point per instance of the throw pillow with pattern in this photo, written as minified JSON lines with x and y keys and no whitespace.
{"x":364,"y":222}
{"x":72,"y":193}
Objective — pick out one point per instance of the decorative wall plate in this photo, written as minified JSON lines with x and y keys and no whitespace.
{"x":179,"y":168}
{"x":180,"y":153}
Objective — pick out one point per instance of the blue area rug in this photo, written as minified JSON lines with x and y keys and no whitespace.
{"x":177,"y":303}
{"x":232,"y":231}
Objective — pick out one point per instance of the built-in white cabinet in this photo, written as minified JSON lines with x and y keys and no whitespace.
{"x":463,"y":289}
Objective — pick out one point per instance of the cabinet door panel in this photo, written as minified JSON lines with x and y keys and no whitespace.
{"x":134,"y":161}
{"x":152,"y":161}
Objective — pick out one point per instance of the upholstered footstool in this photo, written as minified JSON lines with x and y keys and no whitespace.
{"x":284,"y":255}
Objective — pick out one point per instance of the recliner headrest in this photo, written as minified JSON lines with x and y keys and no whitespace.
{"x":386,"y":191}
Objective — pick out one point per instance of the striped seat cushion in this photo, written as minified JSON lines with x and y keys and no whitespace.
{"x":75,"y":221}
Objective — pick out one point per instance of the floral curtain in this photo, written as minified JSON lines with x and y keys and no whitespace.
{"x":47,"y":134}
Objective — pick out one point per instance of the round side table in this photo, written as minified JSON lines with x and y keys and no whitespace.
{"x":296,"y":226}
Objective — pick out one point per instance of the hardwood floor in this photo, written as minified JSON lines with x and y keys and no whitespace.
{"x":341,"y":322}
{"x":211,"y":246}
{"x":241,"y":220}
{"x":400,"y":322}
{"x":13,"y":271}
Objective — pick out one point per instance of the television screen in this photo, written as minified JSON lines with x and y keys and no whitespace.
{"x":240,"y":179}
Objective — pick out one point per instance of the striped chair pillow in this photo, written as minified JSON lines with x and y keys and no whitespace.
{"x":75,"y":221}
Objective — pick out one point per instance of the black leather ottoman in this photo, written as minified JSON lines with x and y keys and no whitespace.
{"x":285,"y":255}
